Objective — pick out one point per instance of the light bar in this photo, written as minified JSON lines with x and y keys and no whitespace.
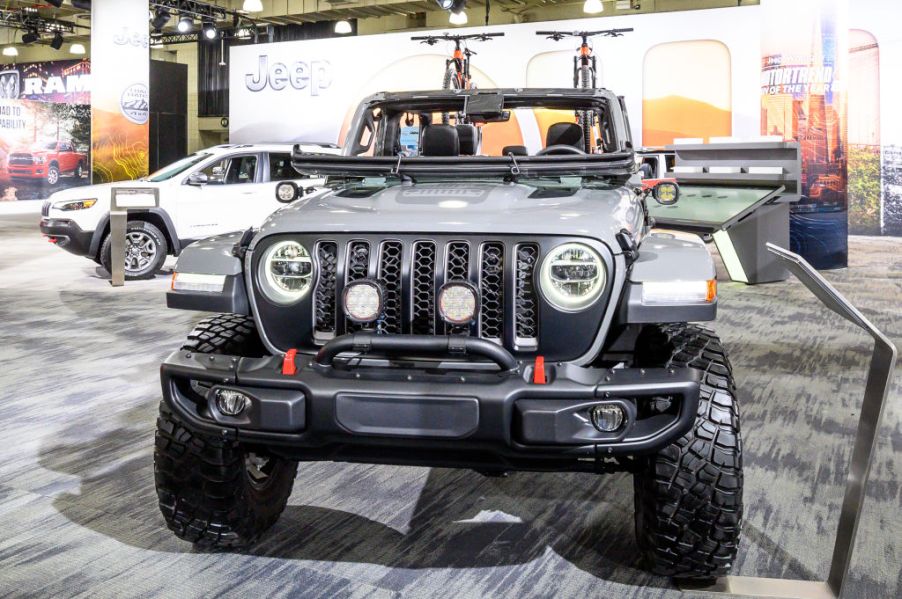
{"x":679,"y":292}
{"x":187,"y":281}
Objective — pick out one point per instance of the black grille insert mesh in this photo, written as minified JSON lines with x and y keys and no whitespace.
{"x":358,"y":269}
{"x":324,"y":296}
{"x":491,"y":291}
{"x":526,"y":310}
{"x":390,"y":279}
{"x":423,"y":286}
{"x":457,"y":268}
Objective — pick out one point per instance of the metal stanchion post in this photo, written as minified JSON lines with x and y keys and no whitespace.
{"x":123,"y":199}
{"x":880,"y":374}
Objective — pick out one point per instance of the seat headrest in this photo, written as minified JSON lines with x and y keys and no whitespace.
{"x":468,"y":135}
{"x":440,"y":140}
{"x":515,"y":150}
{"x":564,"y":134}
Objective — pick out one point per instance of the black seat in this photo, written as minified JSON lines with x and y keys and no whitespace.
{"x":440,"y":140}
{"x":468,"y":136}
{"x":515,"y":150}
{"x":565,"y":134}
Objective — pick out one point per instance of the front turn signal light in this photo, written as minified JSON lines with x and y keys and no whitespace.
{"x":679,"y":292}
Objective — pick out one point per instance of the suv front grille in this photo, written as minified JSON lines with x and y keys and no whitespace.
{"x":412,"y":271}
{"x":20,"y":159}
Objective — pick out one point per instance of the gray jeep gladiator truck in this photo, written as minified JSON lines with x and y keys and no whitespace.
{"x":485,"y":294}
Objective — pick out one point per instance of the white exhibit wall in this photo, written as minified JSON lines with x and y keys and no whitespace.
{"x":306,"y":90}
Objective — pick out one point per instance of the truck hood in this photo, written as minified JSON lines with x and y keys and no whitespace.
{"x":465,"y":209}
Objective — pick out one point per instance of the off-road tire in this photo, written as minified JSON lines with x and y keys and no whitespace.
{"x":151,"y":270}
{"x":205,"y":491}
{"x":228,"y":334}
{"x":689,"y":495}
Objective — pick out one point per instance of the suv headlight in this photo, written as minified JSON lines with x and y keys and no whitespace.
{"x":75,"y":205}
{"x":39,"y":160}
{"x":572,"y":277}
{"x":286,"y":272}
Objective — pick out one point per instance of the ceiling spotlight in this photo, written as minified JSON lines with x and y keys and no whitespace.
{"x":30,"y":36}
{"x":10,"y":51}
{"x":593,"y":7}
{"x":160,"y":18}
{"x":210,"y":31}
{"x":77,"y":48}
{"x":57,"y":42}
{"x":458,"y":18}
{"x":186,"y":24}
{"x":452,"y":5}
{"x":252,"y":6}
{"x":342,"y":27}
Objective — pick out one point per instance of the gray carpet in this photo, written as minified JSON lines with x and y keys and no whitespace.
{"x":78,"y":514}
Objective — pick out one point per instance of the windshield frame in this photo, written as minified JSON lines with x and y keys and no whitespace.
{"x":185,"y":163}
{"x":618,"y":163}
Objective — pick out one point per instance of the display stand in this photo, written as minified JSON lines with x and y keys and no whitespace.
{"x":879,"y":378}
{"x":122,"y":200}
{"x":739,"y":194}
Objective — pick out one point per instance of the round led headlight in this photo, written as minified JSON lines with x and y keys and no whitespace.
{"x":363,"y":301}
{"x":457,"y":303}
{"x":572,"y":277}
{"x":286,"y":272}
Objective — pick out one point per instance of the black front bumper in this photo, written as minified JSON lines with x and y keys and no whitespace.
{"x":67,"y":235}
{"x":417,"y":415}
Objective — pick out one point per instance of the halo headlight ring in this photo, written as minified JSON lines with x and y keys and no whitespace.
{"x":285,"y":272}
{"x":362,"y":301}
{"x":458,"y":303}
{"x":572,"y":277}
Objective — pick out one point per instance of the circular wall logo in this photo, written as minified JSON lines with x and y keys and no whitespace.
{"x":135,"y":104}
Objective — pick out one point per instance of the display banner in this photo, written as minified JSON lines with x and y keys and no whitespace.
{"x":804,"y":56}
{"x":675,"y":69}
{"x":45,"y":128}
{"x":120,"y":93}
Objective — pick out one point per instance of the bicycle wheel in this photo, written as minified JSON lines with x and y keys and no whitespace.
{"x":585,"y":116}
{"x":451,"y":80}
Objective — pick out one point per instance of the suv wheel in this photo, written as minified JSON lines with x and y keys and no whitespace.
{"x":689,"y":495}
{"x":214,"y":492}
{"x":53,"y":174}
{"x":145,"y":251}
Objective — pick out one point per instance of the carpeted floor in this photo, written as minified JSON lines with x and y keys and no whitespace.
{"x":78,"y":395}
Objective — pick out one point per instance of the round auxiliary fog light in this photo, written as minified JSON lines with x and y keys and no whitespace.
{"x":363,"y":301}
{"x":231,"y":402}
{"x":607,"y":417}
{"x":457,"y":303}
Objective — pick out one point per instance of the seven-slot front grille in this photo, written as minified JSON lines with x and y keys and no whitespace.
{"x":411,"y":273}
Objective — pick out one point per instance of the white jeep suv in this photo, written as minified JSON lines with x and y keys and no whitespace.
{"x":217,"y":190}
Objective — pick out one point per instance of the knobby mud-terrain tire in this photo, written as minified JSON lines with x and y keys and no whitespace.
{"x":228,"y":334}
{"x":689,"y":495}
{"x":215,"y":492}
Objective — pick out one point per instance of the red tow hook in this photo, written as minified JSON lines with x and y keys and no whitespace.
{"x":538,"y":372}
{"x":289,"y":368}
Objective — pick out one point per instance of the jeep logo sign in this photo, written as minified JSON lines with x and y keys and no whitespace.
{"x":315,"y":76}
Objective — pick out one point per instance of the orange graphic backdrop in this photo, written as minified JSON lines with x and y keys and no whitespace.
{"x":687,"y":92}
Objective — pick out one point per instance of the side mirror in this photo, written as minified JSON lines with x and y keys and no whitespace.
{"x":666,"y":193}
{"x":198,"y":179}
{"x":287,"y":192}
